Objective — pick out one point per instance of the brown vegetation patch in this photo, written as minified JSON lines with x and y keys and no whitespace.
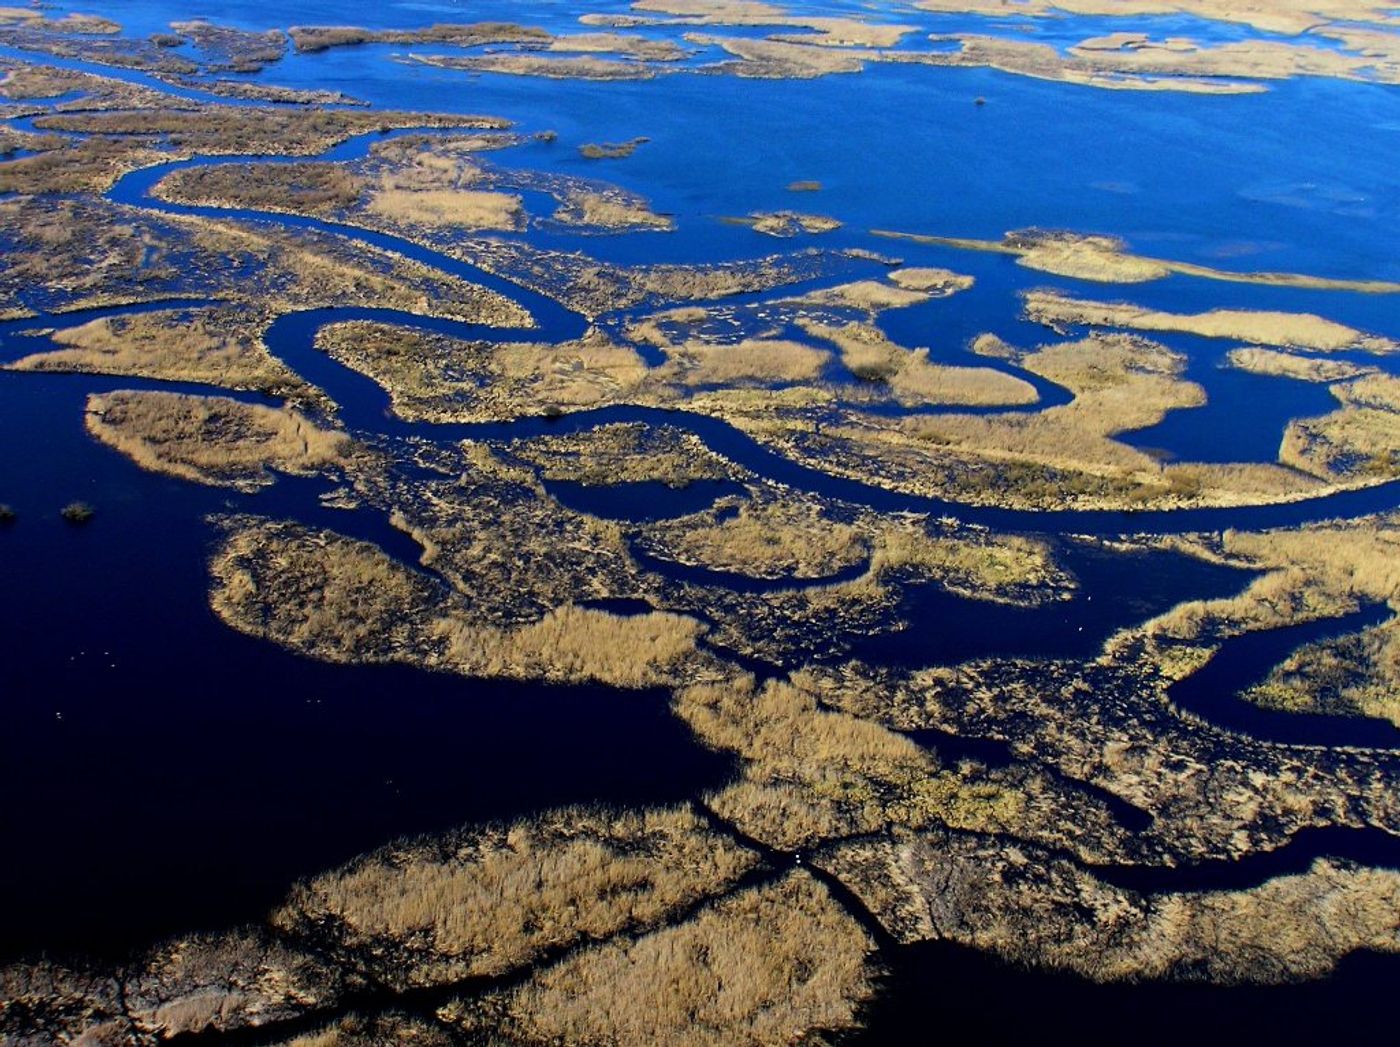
{"x":611,"y":150}
{"x":1291,"y":365}
{"x":550,"y":67}
{"x":1261,"y":327}
{"x":302,"y":188}
{"x":1106,"y":259}
{"x":781,"y":963}
{"x":1029,"y":907}
{"x":765,"y":539}
{"x":625,"y":452}
{"x":323,"y":37}
{"x":914,"y":380}
{"x":488,"y":901}
{"x":435,"y":377}
{"x":218,"y":345}
{"x":791,"y":223}
{"x":214,"y":440}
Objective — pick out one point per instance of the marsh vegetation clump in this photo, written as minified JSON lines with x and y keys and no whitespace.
{"x":612,"y":150}
{"x":870,"y":297}
{"x":470,"y":34}
{"x":611,"y":210}
{"x":1359,"y":442}
{"x":1260,"y":327}
{"x":764,"y":361}
{"x":436,"y":377}
{"x":1308,"y":574}
{"x":812,"y":774}
{"x":778,"y":963}
{"x":487,"y":901}
{"x":1030,"y":907}
{"x":309,"y":187}
{"x":7,"y":515}
{"x":83,"y":252}
{"x":551,"y":67}
{"x":218,"y":345}
{"x":911,"y":377}
{"x":252,"y":130}
{"x":1293,"y":365}
{"x":791,"y":223}
{"x":77,"y":512}
{"x":625,"y":452}
{"x":771,"y":538}
{"x":214,"y":440}
{"x":343,"y":600}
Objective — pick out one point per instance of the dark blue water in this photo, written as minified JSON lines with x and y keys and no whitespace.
{"x":202,"y":771}
{"x":1242,"y":661}
{"x":1113,"y":589}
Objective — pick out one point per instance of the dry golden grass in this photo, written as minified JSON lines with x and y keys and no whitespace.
{"x":1360,"y":442}
{"x":213,"y":440}
{"x":551,"y":67}
{"x":309,"y":188}
{"x":610,"y":210}
{"x":624,"y":452}
{"x":92,"y":253}
{"x":1353,"y":675}
{"x":1376,"y":391}
{"x":913,"y":380}
{"x":1291,"y":365}
{"x":451,"y":208}
{"x":779,"y":59}
{"x":790,"y":223}
{"x":376,"y":1031}
{"x":216,"y":345}
{"x":320,"y":38}
{"x":937,"y":282}
{"x":575,"y":643}
{"x":252,"y":130}
{"x":493,"y":900}
{"x":773,"y":965}
{"x":753,"y":360}
{"x":1285,"y":330}
{"x":342,"y":600}
{"x":1349,"y":445}
{"x":1316,"y":572}
{"x":1285,"y":17}
{"x":982,"y":566}
{"x":1032,"y":907}
{"x":433,"y":377}
{"x":767,"y":539}
{"x":641,"y":48}
{"x":1119,"y":383}
{"x":812,"y":774}
{"x":866,"y":296}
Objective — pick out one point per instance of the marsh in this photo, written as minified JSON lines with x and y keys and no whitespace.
{"x":484,"y":564}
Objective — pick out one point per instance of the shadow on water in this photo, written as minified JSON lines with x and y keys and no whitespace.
{"x":1370,"y":847}
{"x":1213,"y":691}
{"x":166,"y":773}
{"x":957,"y":987}
{"x":992,"y":753}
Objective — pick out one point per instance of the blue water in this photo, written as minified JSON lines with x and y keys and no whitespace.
{"x":186,"y":762}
